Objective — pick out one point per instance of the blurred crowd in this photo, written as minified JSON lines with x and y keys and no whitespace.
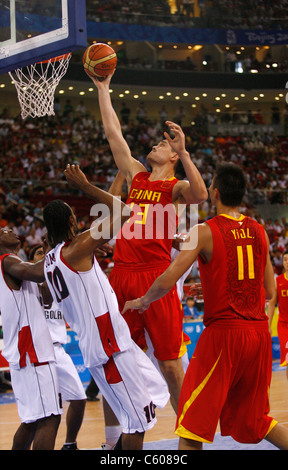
{"x":263,"y":14}
{"x":239,"y":14}
{"x":35,"y":152}
{"x":247,"y":14}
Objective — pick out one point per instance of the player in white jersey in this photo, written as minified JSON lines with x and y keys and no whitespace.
{"x":70,"y":385}
{"x":28,"y":349}
{"x":126,"y":377}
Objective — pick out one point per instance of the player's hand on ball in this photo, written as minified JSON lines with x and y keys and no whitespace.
{"x":101,"y":81}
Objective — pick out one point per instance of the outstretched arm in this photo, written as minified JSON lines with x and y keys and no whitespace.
{"x":194,"y":191}
{"x":23,"y":271}
{"x":117,"y":184}
{"x":269,"y":281}
{"x":199,"y":240}
{"x":113,"y":213}
{"x":77,"y":179}
{"x":128,"y":165}
{"x":271,"y":309}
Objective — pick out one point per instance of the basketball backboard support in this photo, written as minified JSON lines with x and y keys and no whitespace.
{"x":35,"y":30}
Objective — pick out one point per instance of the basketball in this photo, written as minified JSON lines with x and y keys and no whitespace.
{"x":99,"y":60}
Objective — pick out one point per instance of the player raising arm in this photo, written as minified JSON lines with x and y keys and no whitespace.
{"x":191,"y":192}
{"x":90,"y":307}
{"x":230,"y":382}
{"x":143,"y":247}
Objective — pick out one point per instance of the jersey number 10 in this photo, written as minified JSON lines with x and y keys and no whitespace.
{"x":250,"y":258}
{"x":58,"y":284}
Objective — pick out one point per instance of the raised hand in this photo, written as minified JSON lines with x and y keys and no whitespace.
{"x":178,"y":142}
{"x":101,"y":82}
{"x":75,"y":176}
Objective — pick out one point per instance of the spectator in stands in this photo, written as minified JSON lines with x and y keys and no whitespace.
{"x":125,"y":113}
{"x":190,"y":310}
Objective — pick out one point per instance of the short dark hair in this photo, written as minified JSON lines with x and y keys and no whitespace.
{"x":33,"y":251}
{"x":56,"y":216}
{"x":230,"y":181}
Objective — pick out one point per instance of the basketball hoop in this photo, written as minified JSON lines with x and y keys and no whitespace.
{"x":36,"y":85}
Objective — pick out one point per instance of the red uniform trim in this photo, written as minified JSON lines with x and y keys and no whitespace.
{"x":26,"y":346}
{"x":64,"y":261}
{"x":1,"y":261}
{"x":111,"y":372}
{"x":106,"y":332}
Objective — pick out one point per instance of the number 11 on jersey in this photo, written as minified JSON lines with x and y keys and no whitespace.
{"x":250,"y":258}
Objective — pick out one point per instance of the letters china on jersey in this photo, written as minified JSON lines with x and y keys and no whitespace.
{"x":147,"y":236}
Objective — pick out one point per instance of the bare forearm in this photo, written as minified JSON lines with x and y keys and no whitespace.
{"x":97,"y":194}
{"x":159,"y":289}
{"x":197,"y":192}
{"x":25,"y":271}
{"x":117,"y":185}
{"x":110,"y":119}
{"x":270,"y":312}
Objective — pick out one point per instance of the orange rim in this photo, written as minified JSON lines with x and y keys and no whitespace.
{"x":56,"y":59}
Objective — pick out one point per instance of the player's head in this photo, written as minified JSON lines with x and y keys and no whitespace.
{"x":162,"y":154}
{"x":285,"y":261}
{"x":228,"y":185}
{"x":36,"y":253}
{"x":60,"y":221}
{"x":9,"y":241}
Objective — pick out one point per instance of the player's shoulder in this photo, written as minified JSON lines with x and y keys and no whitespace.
{"x":11,"y":258}
{"x":280,"y":278}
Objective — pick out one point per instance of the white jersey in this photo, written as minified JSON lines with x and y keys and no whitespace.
{"x":56,"y":323}
{"x":25,"y":331}
{"x":89,"y":306}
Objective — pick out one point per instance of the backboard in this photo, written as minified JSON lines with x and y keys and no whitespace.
{"x":35,"y":30}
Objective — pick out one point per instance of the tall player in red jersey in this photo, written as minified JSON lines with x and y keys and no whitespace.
{"x":229,"y":375}
{"x":281,"y":296}
{"x":143,"y":250}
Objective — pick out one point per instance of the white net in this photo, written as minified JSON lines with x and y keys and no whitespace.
{"x":36,"y":85}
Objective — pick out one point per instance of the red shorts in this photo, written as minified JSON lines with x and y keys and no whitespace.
{"x":282,"y":328}
{"x":163,"y":320}
{"x":228,"y":378}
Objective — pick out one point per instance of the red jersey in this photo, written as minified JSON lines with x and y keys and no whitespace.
{"x":282,"y":293}
{"x":146,"y":238}
{"x":232,"y":281}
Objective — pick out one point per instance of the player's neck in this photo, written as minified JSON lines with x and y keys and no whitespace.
{"x":161,"y":173}
{"x":230,"y":211}
{"x":5,"y":250}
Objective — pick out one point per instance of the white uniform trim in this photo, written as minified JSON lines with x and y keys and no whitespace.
{"x":89,"y":306}
{"x":126,"y":377}
{"x":24,"y":326}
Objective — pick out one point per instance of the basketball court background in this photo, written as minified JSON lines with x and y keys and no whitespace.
{"x":29,"y":35}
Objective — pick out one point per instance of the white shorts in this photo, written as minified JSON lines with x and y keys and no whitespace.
{"x":36,"y":391}
{"x":133,"y":388}
{"x":70,"y":384}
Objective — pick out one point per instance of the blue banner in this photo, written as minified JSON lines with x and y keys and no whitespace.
{"x":133,"y":32}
